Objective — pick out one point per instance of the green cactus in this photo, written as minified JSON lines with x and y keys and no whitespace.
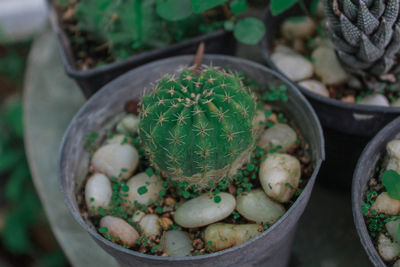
{"x":366,"y":34}
{"x":198,"y":128}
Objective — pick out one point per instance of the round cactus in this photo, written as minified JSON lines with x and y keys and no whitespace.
{"x":198,"y":128}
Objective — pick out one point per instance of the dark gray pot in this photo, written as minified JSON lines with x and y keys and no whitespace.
{"x":366,"y":165}
{"x":347,"y":127}
{"x":271,"y":248}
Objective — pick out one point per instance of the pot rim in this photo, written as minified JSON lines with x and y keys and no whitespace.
{"x":361,"y":108}
{"x":69,"y":60}
{"x":357,"y":194}
{"x":109,"y":87}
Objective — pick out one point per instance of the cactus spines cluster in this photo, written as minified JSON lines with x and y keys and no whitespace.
{"x":198,"y":128}
{"x":366,"y":34}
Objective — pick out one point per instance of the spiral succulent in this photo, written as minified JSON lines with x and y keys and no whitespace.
{"x":366,"y":34}
{"x":198,"y":128}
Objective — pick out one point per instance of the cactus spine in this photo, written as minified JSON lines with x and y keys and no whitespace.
{"x":198,"y":128}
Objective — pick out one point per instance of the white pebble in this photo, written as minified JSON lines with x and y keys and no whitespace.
{"x":150,"y":225}
{"x":279,"y":176}
{"x":396,"y":103}
{"x":375,"y":100}
{"x":386,"y":205}
{"x":293,"y":65}
{"x":280,"y":134}
{"x":256,"y":206}
{"x":221,"y":236}
{"x":118,"y":228}
{"x":301,"y":28}
{"x":138,"y":215}
{"x":116,"y":160}
{"x":392,"y":227}
{"x":98,"y":192}
{"x":393,"y":151}
{"x":130,"y":123}
{"x":387,"y":249}
{"x":315,"y":87}
{"x":177,"y":243}
{"x":119,"y":139}
{"x":204,"y":210}
{"x":327,"y":66}
{"x":141,"y":181}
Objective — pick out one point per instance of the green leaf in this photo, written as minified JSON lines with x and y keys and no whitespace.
{"x":199,"y":6}
{"x":15,"y":184}
{"x":10,"y":159}
{"x":142,"y":190}
{"x":249,"y":31}
{"x":314,"y":7}
{"x":229,"y":25}
{"x":174,"y":10}
{"x":279,"y":6}
{"x":238,"y":6}
{"x":391,"y":181}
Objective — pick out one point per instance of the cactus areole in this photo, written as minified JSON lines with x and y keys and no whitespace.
{"x":366,"y":34}
{"x":198,"y":128}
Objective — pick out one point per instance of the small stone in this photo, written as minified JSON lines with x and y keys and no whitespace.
{"x":204,"y":210}
{"x":176,"y":243}
{"x":281,"y":135}
{"x":349,"y":99}
{"x":393,"y":152}
{"x":98,"y":192}
{"x":396,"y":103}
{"x":279,"y":176}
{"x":116,"y":160}
{"x":397,"y":264}
{"x":387,"y":249}
{"x":293,"y":65}
{"x":143,"y":189}
{"x":386,"y":205}
{"x":128,"y":124}
{"x":259,"y":120}
{"x":257,"y":207}
{"x":392,"y":228}
{"x":118,"y":228}
{"x":169,"y":201}
{"x":221,"y":236}
{"x":150,"y":225}
{"x":165,"y":223}
{"x":328,"y":67}
{"x":355,"y":83}
{"x":298,"y":28}
{"x":198,"y":243}
{"x":138,"y":215}
{"x":118,"y":139}
{"x":315,"y":87}
{"x":376,"y":100}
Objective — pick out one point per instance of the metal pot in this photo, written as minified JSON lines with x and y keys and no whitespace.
{"x":272,"y":247}
{"x":365,"y":169}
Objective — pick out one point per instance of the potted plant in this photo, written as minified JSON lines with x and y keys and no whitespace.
{"x":181,"y":185}
{"x":352,"y":101}
{"x":375,"y":197}
{"x":99,"y":40}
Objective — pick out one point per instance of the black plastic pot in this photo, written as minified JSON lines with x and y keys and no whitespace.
{"x":271,"y":248}
{"x":347,"y":126}
{"x":218,"y":42}
{"x":365,"y":169}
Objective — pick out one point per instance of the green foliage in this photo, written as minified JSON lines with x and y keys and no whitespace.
{"x":391,"y":181}
{"x":249,"y":31}
{"x":279,"y":6}
{"x":199,"y":6}
{"x":206,"y":118}
{"x":174,"y":10}
{"x":131,"y":26}
{"x":12,"y":64}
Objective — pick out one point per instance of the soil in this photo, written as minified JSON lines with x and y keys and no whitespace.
{"x":343,"y":92}
{"x":90,"y":52}
{"x":246,"y":179}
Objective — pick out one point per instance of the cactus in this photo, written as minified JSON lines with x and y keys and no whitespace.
{"x":366,"y":34}
{"x":198,"y":128}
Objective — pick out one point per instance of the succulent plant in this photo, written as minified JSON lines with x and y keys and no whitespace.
{"x":366,"y":34}
{"x":198,"y":128}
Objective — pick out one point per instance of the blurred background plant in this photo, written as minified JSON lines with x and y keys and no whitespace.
{"x":26,"y":239}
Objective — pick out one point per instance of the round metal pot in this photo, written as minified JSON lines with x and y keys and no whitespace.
{"x":365,"y":169}
{"x":272,"y":247}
